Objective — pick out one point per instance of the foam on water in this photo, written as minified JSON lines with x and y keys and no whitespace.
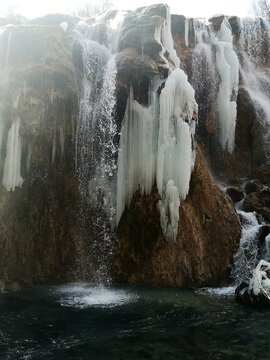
{"x":80,"y":295}
{"x":228,"y":291}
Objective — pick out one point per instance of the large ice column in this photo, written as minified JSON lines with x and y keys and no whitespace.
{"x":137,"y":154}
{"x":228,"y":67}
{"x":156,"y":141}
{"x":163,"y":35}
{"x":12,"y":167}
{"x":156,"y":145}
{"x":175,"y":158}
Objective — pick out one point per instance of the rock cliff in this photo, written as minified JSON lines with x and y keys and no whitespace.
{"x":49,"y":230}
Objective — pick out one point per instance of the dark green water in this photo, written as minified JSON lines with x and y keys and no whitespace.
{"x":79,"y":321}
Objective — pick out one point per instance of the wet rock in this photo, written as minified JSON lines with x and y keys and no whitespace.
{"x":252,"y":203}
{"x":265,"y":196}
{"x":236,"y":194}
{"x":265,"y":212}
{"x":253,"y":186}
{"x":263,"y":232}
{"x":263,"y":174}
{"x":244,"y":296}
{"x":203,"y":249}
{"x":139,"y":28}
{"x":38,"y":243}
{"x":216,"y":21}
{"x":55,"y":19}
{"x":234,"y":22}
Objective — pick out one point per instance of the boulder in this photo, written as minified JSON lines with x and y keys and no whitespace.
{"x":245,"y":297}
{"x":216,"y":21}
{"x":236,"y":194}
{"x":253,"y":186}
{"x":252,"y":203}
{"x":263,"y":174}
{"x":208,"y":236}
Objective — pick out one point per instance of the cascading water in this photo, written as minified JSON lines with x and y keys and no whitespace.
{"x":204,"y":76}
{"x":247,"y":255}
{"x":254,"y":44}
{"x":95,"y":143}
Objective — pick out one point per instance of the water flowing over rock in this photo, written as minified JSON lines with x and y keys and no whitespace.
{"x":106,"y":127}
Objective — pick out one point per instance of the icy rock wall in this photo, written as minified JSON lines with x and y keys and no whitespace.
{"x":156,"y":141}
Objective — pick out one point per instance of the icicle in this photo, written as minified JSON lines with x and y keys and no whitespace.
{"x":175,"y":158}
{"x":29,"y":155}
{"x":12,"y":167}
{"x":228,"y":67}
{"x":62,"y":140}
{"x":186,"y":31}
{"x":137,"y":155}
{"x":64,"y":26}
{"x":158,"y":148}
{"x":2,"y":128}
{"x":53,"y":144}
{"x":163,"y":36}
{"x":169,"y":211}
{"x":156,"y":141}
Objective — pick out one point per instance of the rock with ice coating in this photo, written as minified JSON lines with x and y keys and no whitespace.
{"x":257,"y":291}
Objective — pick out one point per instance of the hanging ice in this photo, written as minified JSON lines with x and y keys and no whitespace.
{"x":186,"y":31}
{"x":163,"y":35}
{"x":175,"y":157}
{"x":158,"y":148}
{"x":12,"y":167}
{"x":156,"y":141}
{"x":228,"y":67}
{"x":137,"y":155}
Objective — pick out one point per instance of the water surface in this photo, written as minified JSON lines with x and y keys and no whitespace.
{"x":81,"y":321}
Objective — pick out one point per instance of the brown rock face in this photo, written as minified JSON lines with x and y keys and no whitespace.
{"x":38,"y":240}
{"x":208,"y":236}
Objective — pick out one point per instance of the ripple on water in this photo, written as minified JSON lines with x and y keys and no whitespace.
{"x":84,"y":296}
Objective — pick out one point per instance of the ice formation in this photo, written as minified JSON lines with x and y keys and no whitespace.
{"x":156,"y":141}
{"x":260,"y":282}
{"x":12,"y":166}
{"x":156,"y":145}
{"x":137,"y":154}
{"x":64,"y":26}
{"x":163,"y":36}
{"x":228,"y":67}
{"x":186,"y":31}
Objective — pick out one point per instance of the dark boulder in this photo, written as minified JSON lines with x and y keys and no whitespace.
{"x":253,"y":186}
{"x":236,"y":194}
{"x":246,"y":297}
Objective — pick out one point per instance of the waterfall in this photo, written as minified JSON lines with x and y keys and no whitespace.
{"x":204,"y":75}
{"x":247,"y":255}
{"x":96,"y":152}
{"x":254,"y":42}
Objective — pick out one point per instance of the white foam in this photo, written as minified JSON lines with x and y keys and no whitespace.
{"x":84,"y":296}
{"x":223,"y":291}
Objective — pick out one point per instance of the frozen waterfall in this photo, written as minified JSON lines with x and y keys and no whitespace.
{"x":156,"y":141}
